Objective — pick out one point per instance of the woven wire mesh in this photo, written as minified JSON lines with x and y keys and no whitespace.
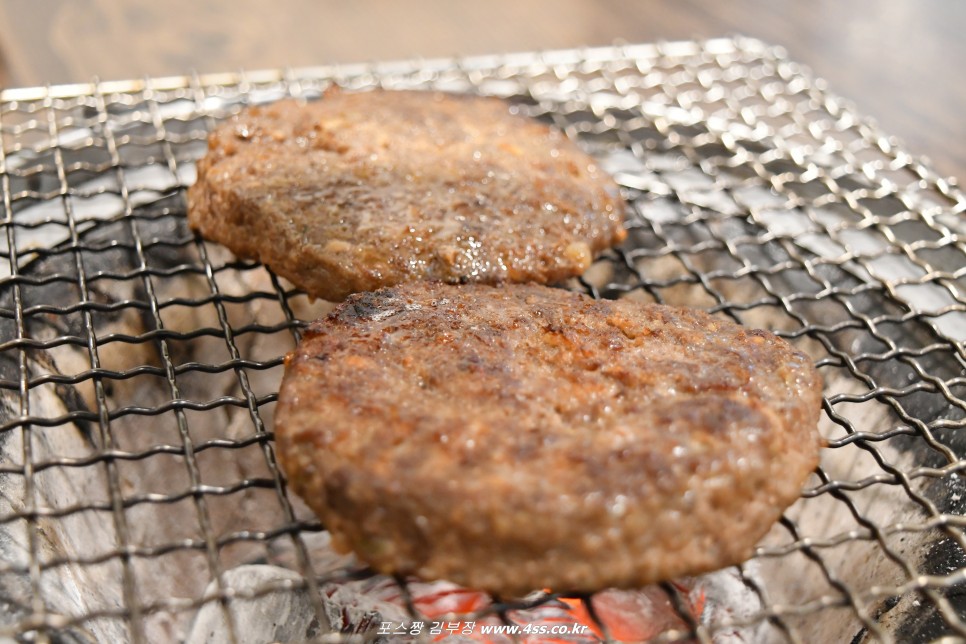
{"x":139,"y":365}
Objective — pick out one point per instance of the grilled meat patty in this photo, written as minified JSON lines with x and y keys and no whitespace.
{"x":362,"y":190}
{"x":525,"y":437}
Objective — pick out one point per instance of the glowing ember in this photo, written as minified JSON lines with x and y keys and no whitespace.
{"x":626,"y":615}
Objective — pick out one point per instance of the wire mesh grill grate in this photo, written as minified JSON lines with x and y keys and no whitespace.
{"x":139,"y":365}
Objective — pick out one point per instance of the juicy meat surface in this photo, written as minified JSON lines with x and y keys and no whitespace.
{"x":527,"y":437}
{"x":362,"y":190}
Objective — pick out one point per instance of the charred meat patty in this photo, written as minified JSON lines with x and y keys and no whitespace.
{"x":527,"y":437}
{"x":362,"y":190}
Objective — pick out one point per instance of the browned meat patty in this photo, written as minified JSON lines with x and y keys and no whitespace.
{"x":362,"y":190}
{"x":525,"y":437}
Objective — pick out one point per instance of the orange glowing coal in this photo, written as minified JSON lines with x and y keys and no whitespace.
{"x":627,"y":615}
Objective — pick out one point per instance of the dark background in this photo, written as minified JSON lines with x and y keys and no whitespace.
{"x":900,"y":61}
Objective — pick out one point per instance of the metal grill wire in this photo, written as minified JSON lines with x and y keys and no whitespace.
{"x":752,"y":193}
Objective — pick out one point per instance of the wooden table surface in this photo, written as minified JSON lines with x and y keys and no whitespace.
{"x":899,"y":61}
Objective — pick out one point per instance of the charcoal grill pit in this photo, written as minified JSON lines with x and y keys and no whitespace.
{"x":139,"y":495}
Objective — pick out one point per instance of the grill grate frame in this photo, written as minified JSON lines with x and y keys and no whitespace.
{"x":752,"y":191}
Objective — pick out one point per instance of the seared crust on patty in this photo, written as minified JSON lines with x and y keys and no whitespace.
{"x":362,"y":190}
{"x":525,"y":437}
